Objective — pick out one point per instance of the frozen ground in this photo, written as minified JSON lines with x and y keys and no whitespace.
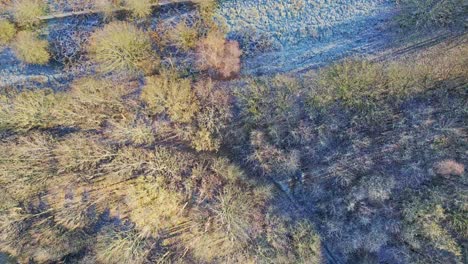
{"x":293,"y":35}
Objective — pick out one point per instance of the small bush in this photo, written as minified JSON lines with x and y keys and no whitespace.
{"x":122,"y":246}
{"x":120,"y":46}
{"x":167,"y":93}
{"x":448,"y":168}
{"x":217,"y":54}
{"x":131,"y":131}
{"x":206,"y":9}
{"x":356,"y":83}
{"x":139,"y":8}
{"x":32,"y":109}
{"x":7,"y":32}
{"x":93,"y":101}
{"x":183,"y":36}
{"x":29,"y":49}
{"x":430,"y":13}
{"x":27,"y":12}
{"x":105,"y":6}
{"x":156,"y":212}
{"x":306,"y":243}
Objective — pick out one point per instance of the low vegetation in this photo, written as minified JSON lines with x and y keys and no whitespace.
{"x":218,"y":55}
{"x":355,"y":155}
{"x":169,"y":155}
{"x":29,"y":48}
{"x":431,"y":13}
{"x":140,"y":8}
{"x":27,"y":12}
{"x":7,"y":32}
{"x":121,"y":46}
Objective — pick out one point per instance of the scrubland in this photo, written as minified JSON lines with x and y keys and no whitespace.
{"x":165,"y":152}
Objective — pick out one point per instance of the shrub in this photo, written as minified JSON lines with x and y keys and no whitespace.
{"x":426,"y":219}
{"x":92,"y":101}
{"x":29,"y":49}
{"x":167,"y":93}
{"x":356,"y":83}
{"x":306,"y":243}
{"x":122,"y":246}
{"x":74,"y":210}
{"x":217,"y":54}
{"x":272,"y":104}
{"x":139,"y":8}
{"x":106,"y":6}
{"x":26,"y":165}
{"x":235,"y":223}
{"x":32,"y":109}
{"x":81,"y":153}
{"x":133,"y":130}
{"x":430,"y":13}
{"x":7,"y":32}
{"x":156,"y":212}
{"x":27,"y":12}
{"x":128,"y":163}
{"x":448,"y":168}
{"x":272,"y":160}
{"x":213,"y":116}
{"x":120,"y":46}
{"x":183,"y":36}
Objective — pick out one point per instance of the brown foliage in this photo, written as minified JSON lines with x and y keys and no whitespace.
{"x":218,"y":55}
{"x":449,"y":167}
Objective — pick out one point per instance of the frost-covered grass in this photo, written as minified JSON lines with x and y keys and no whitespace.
{"x":290,"y":21}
